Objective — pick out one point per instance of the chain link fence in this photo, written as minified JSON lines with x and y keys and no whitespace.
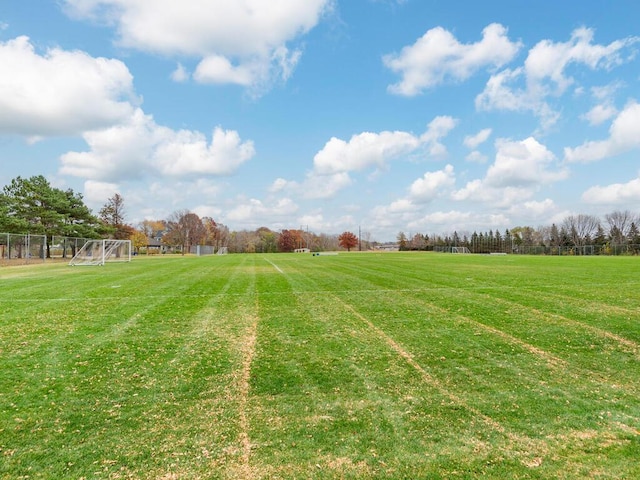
{"x":19,"y":249}
{"x":575,"y":250}
{"x":22,"y":249}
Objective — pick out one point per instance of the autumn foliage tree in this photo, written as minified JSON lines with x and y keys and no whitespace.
{"x":286,"y":242}
{"x":112,"y":215}
{"x":347,"y":240}
{"x":184,"y":229}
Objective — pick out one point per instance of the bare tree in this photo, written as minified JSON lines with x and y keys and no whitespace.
{"x":619,"y":225}
{"x":184,"y":229}
{"x":581,"y":228}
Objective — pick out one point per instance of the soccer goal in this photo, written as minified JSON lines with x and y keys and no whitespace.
{"x":460,"y":250}
{"x":98,"y":252}
{"x":223,"y":251}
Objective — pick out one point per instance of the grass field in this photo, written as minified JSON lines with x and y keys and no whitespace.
{"x":349,"y":366}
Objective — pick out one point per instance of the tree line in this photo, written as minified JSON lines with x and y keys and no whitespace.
{"x":619,"y":229}
{"x":33,"y":206}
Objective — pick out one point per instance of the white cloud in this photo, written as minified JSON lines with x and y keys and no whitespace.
{"x":368,"y":149}
{"x":242,"y":42}
{"x":253,"y":213}
{"x":99,"y":192}
{"x":600,"y":114}
{"x":313,"y":186}
{"x":438,"y":56}
{"x":398,"y":212}
{"x":442,"y":221}
{"x":402,"y":205}
{"x":624,"y":135}
{"x":519,"y":169}
{"x":278,"y":185}
{"x":431,"y":184}
{"x":60,"y":92}
{"x":362,"y":151}
{"x":437,"y":129}
{"x":533,"y":211}
{"x":141,"y":147}
{"x":218,"y":69}
{"x":549,"y":60}
{"x":476,"y":157}
{"x":544,"y":74}
{"x":180,"y":74}
{"x":614,"y":194}
{"x":522,"y":163}
{"x":324,"y":186}
{"x":186,"y":152}
{"x":606,"y":92}
{"x":473,"y":141}
{"x":207,"y":211}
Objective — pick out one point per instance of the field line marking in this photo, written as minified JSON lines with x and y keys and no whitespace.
{"x":274,"y":265}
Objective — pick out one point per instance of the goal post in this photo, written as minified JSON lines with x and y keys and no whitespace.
{"x":460,"y":250}
{"x":99,"y":252}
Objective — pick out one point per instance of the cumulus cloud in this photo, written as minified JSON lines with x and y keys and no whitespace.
{"x":519,"y":169}
{"x":624,"y":135}
{"x":522,"y":163}
{"x":430,"y":185}
{"x":438,"y":56}
{"x":544,"y":73}
{"x":535,"y":209}
{"x":141,"y":147}
{"x":614,"y":194}
{"x":98,"y":192}
{"x":242,"y":42}
{"x":60,"y":92}
{"x":333,"y":164}
{"x":368,"y":149}
{"x":362,"y":151}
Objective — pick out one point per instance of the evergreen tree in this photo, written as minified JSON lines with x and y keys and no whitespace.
{"x":33,"y":206}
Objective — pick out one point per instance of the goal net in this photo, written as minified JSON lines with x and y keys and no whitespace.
{"x":98,"y":252}
{"x":460,"y":250}
{"x":223,"y":251}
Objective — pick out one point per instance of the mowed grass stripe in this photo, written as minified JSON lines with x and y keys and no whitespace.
{"x":517,"y":448}
{"x":485,"y":299}
{"x":353,"y":366}
{"x":526,"y":325}
{"x":535,"y":386}
{"x":153,"y":398}
{"x":327,"y":383}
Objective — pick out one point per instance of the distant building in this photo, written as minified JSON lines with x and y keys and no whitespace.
{"x":388,"y":247}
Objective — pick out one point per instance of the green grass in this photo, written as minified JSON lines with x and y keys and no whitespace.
{"x":349,"y":366}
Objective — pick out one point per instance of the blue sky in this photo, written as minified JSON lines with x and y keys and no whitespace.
{"x":415,"y":115}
